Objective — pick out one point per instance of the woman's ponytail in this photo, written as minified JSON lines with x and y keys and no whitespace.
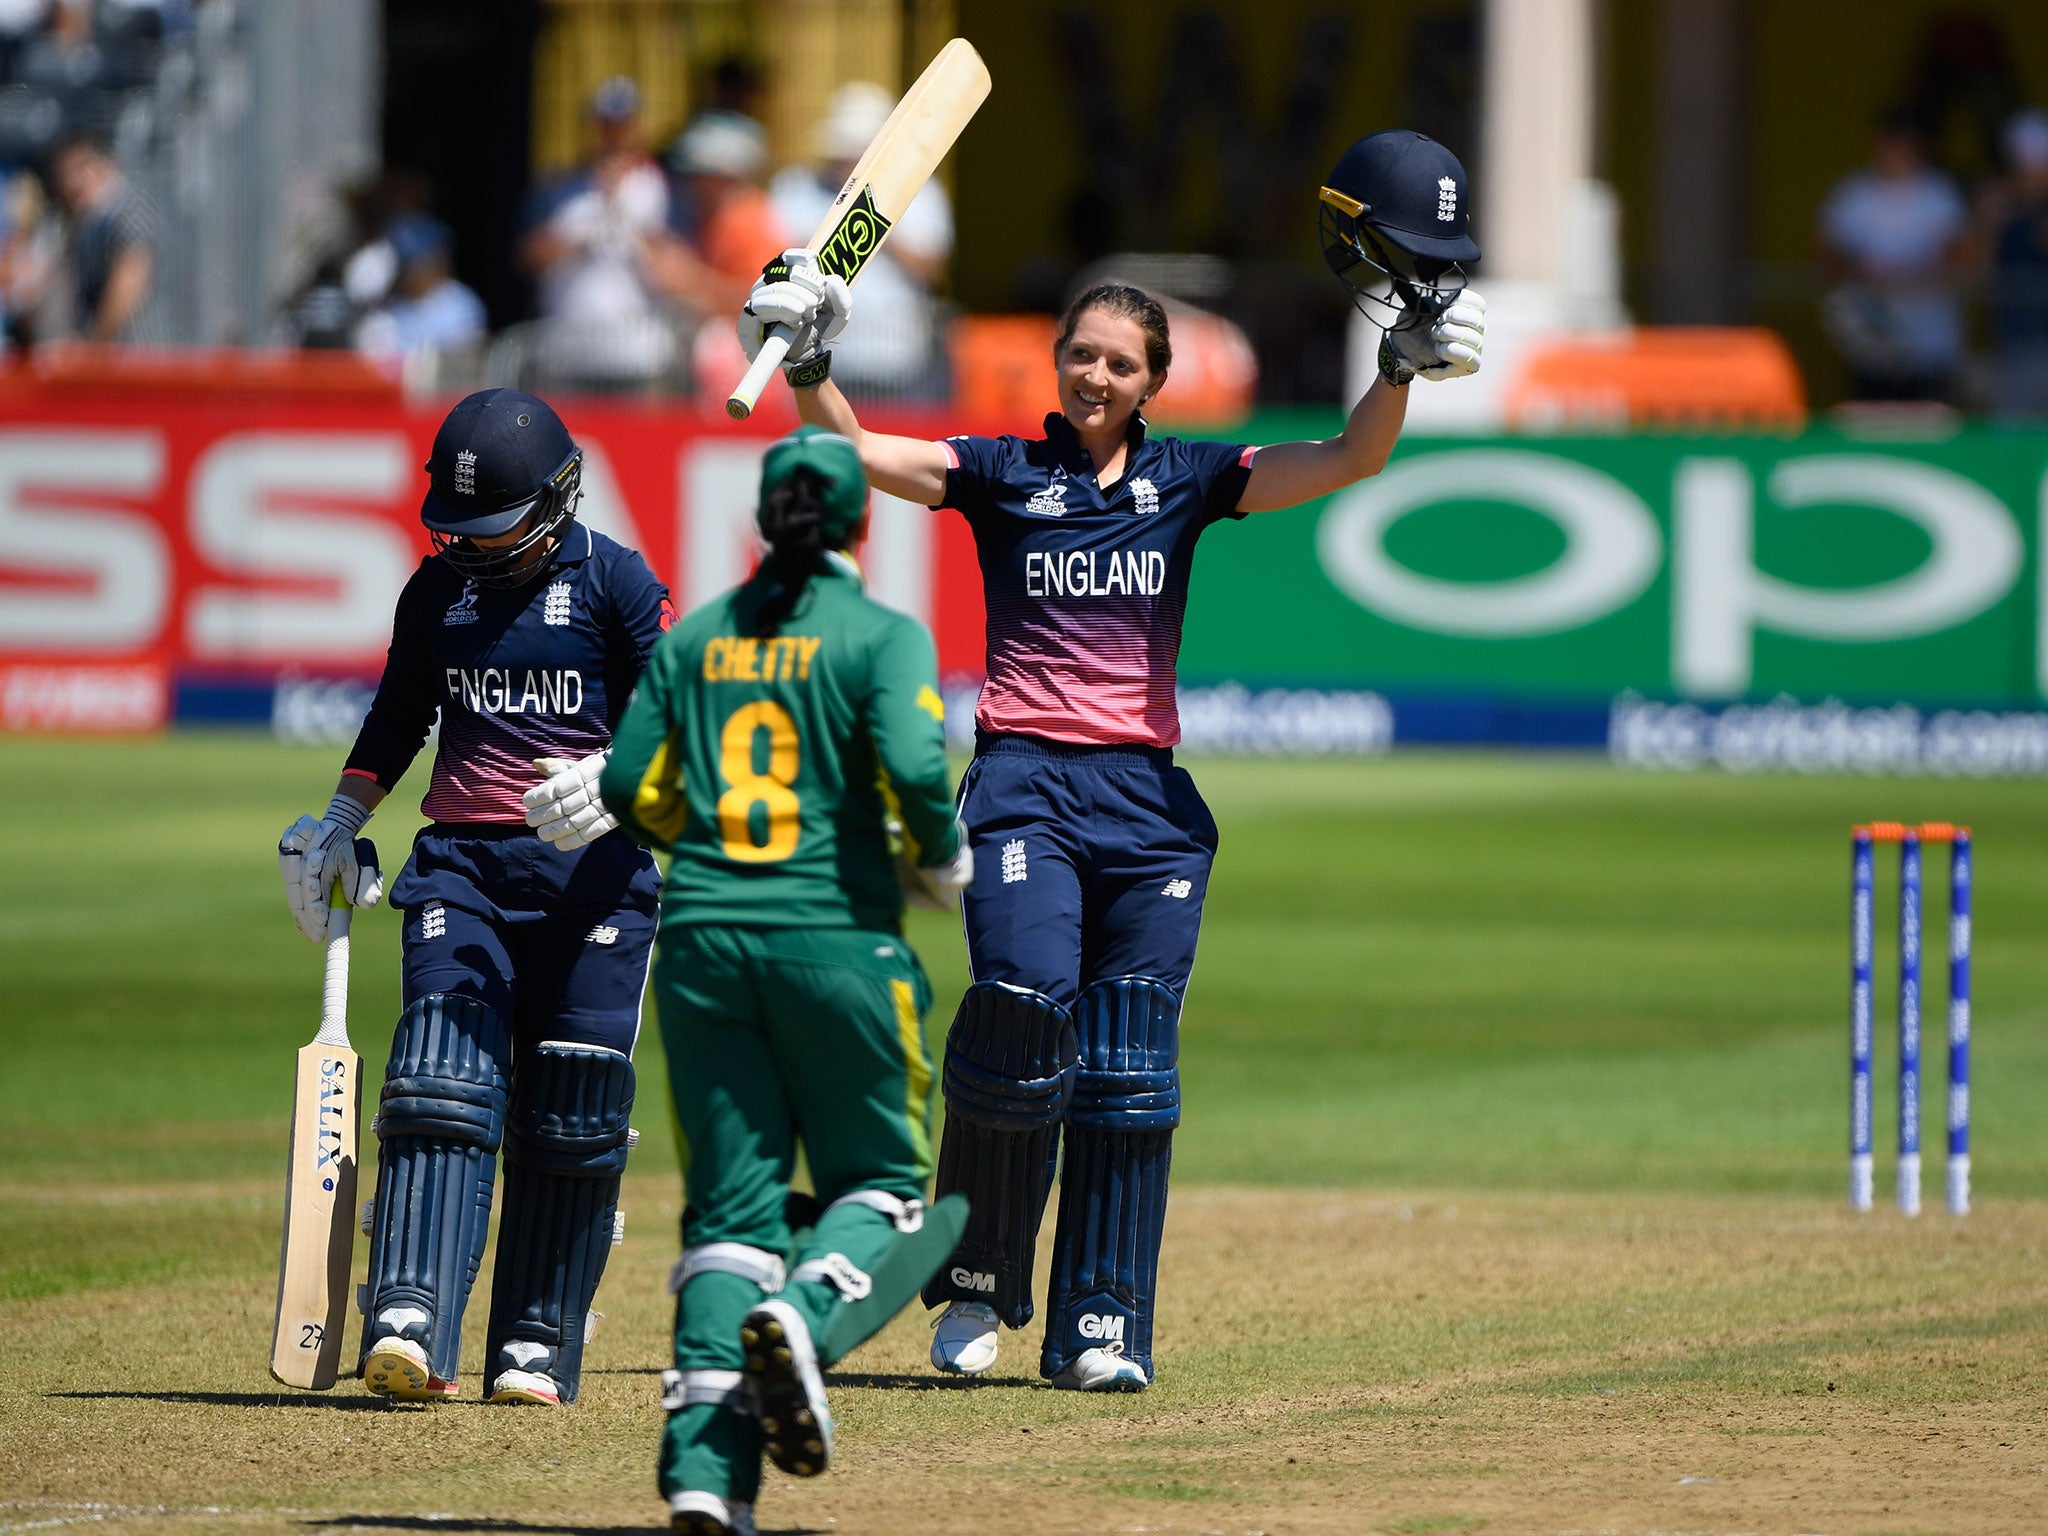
{"x":792,"y":520}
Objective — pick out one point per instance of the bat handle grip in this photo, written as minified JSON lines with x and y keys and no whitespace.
{"x":334,"y":990}
{"x":774,"y":348}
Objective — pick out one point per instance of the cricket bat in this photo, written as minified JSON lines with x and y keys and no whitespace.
{"x":892,"y":172}
{"x":320,"y":1187}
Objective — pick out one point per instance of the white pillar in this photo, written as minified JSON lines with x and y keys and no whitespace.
{"x":1539,"y":83}
{"x":1550,"y":231}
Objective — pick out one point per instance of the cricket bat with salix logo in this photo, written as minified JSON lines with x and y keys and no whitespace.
{"x":320,"y":1186}
{"x":897,"y":164}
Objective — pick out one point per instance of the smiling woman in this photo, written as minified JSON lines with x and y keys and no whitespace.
{"x":1093,"y":850}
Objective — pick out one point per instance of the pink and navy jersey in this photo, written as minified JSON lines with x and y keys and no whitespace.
{"x":1086,"y":584}
{"x":542,"y":670}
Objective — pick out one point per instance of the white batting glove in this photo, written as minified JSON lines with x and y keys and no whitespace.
{"x":1446,"y":346}
{"x":316,"y":856}
{"x":793,"y":293}
{"x":937,"y":887}
{"x":564,"y":808}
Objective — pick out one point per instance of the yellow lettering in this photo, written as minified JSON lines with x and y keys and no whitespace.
{"x":810,"y":644}
{"x":714,"y":658}
{"x":746,"y":659}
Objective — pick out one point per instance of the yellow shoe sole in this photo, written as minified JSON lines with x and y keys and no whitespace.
{"x":396,"y":1375}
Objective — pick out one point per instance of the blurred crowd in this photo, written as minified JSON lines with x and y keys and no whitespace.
{"x":1933,"y":254}
{"x":1935,"y":251}
{"x":628,"y":254}
{"x":639,"y":260}
{"x":77,"y":242}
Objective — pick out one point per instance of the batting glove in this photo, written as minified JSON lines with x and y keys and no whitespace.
{"x":937,"y":887}
{"x":316,"y":857}
{"x":1440,"y":346}
{"x":564,"y":808}
{"x":794,"y":294}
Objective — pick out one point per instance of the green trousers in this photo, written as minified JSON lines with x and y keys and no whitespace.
{"x":778,"y":1037}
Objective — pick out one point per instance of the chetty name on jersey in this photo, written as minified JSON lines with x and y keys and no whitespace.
{"x":745,"y":659}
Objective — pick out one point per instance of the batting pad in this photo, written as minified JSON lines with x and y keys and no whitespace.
{"x":439,"y":1123}
{"x":1120,"y":1123}
{"x":1010,"y":1060}
{"x":565,"y":1148}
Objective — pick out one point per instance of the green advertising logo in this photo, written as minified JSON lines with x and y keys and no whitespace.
{"x":1699,"y":568}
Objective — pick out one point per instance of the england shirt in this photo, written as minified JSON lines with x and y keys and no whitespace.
{"x":1086,"y":584}
{"x":542,"y":670}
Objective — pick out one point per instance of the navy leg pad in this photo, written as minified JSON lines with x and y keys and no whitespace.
{"x":1010,"y":1060}
{"x":1120,"y":1123}
{"x":565,"y":1147}
{"x":438,"y":1124}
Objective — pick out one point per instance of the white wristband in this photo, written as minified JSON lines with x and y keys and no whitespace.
{"x":347,"y":811}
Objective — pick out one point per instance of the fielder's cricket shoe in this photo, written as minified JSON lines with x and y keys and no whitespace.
{"x":782,"y":1363}
{"x":397,"y":1368}
{"x":1101,"y":1370}
{"x":964,"y":1338}
{"x":526,"y":1387}
{"x":706,"y":1514}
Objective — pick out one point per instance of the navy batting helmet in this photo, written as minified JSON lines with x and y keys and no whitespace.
{"x":1391,"y":220}
{"x":501,"y":458}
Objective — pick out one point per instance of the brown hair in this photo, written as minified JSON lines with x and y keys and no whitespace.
{"x":1128,"y":303}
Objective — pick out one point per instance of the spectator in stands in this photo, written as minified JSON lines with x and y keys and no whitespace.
{"x":66,"y":57}
{"x":25,"y":258}
{"x":893,"y":346}
{"x":20,"y":20}
{"x":592,"y":243}
{"x":2018,"y":247}
{"x":428,"y":311}
{"x":727,"y":227}
{"x":371,"y":268}
{"x":1892,"y":236}
{"x":112,"y":245}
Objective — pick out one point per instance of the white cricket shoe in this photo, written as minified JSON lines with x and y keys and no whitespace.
{"x":782,"y":1363}
{"x":964,"y":1338}
{"x":706,"y":1514}
{"x":397,"y":1367}
{"x":526,"y":1387}
{"x":1101,"y":1370}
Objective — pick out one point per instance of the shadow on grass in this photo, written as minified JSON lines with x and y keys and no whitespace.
{"x":254,"y":1400}
{"x":903,"y":1381}
{"x":534,"y":1527}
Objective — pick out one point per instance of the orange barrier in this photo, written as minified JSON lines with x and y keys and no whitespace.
{"x":1002,"y":370}
{"x":1897,"y":831}
{"x":1002,"y":367}
{"x":58,"y":372}
{"x":1675,"y":378}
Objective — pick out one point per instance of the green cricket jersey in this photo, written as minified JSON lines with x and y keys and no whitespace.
{"x":767,"y":767}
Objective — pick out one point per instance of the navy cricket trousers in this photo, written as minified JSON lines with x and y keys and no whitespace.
{"x":1089,"y":862}
{"x":556,"y":944}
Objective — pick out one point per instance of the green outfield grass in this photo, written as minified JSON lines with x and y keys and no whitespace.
{"x":1444,"y":970}
{"x":1574,"y":1038}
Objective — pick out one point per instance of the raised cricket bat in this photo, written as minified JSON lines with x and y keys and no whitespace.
{"x":320,"y":1187}
{"x":892,"y":172}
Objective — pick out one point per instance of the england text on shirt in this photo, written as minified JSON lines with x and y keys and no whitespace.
{"x":1087,"y":584}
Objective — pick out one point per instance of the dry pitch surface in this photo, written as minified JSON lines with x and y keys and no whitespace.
{"x":1433,"y":1362}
